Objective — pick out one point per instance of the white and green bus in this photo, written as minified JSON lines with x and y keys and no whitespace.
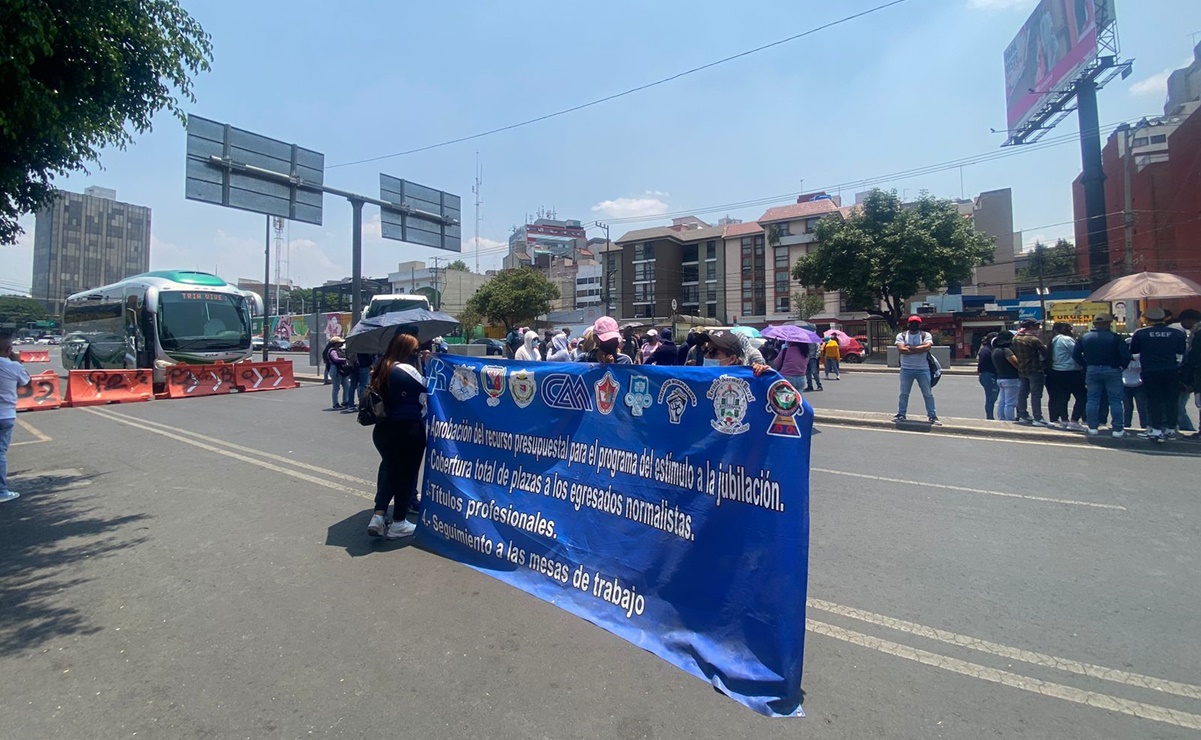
{"x":157,"y":319}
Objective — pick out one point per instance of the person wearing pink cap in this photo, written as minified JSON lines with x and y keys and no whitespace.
{"x":608,"y":343}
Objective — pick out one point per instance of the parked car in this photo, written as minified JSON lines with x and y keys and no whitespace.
{"x":256,"y":344}
{"x":300,"y":345}
{"x":279,"y":345}
{"x":496,"y":348}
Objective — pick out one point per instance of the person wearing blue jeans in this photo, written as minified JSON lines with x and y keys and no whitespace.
{"x":813,"y":376}
{"x":914,"y":348}
{"x":1104,"y":356}
{"x":335,"y":355}
{"x":986,"y":372}
{"x":12,"y":376}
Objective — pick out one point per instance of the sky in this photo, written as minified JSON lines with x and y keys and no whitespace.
{"x":917,"y":84}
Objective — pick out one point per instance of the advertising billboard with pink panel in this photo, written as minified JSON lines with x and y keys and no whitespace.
{"x":1057,"y":41}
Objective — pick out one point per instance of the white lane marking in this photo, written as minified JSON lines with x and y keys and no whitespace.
{"x":1137,"y":680}
{"x":251,"y":450}
{"x":39,"y":437}
{"x":236,"y":456}
{"x":1013,"y":680}
{"x":817,"y":421}
{"x":924,"y":484}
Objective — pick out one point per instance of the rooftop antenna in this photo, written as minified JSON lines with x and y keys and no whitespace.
{"x":479,"y":182}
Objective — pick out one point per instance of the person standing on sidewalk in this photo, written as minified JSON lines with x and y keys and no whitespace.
{"x":335,"y":354}
{"x":1065,"y":380}
{"x":813,"y":376}
{"x":12,"y":376}
{"x":833,"y":355}
{"x":914,"y":346}
{"x":1160,"y":348}
{"x":1187,"y":323}
{"x":1134,"y":394}
{"x":986,"y":372}
{"x":1104,"y":356}
{"x":1008,"y":382}
{"x":1032,"y":358}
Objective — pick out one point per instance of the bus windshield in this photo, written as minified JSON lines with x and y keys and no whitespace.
{"x":202,"y":322}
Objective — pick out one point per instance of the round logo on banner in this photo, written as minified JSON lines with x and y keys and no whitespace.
{"x":784,"y":401}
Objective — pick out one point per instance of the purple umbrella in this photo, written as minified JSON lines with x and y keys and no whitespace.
{"x":790,"y":333}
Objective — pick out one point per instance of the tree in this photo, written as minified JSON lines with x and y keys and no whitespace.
{"x":514,"y":297}
{"x":458,"y":265}
{"x":885,"y":252}
{"x":19,"y":310}
{"x":1058,"y":263}
{"x":808,"y":305}
{"x":77,"y":76}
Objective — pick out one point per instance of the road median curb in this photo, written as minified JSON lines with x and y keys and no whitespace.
{"x":949,"y":427}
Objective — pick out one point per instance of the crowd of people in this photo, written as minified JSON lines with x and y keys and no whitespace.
{"x":1103,"y":377}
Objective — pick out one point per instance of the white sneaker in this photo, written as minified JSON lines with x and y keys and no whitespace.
{"x":1041,"y":423}
{"x":9,"y":496}
{"x":1075,"y":426}
{"x":1118,"y":434}
{"x":377,"y":526}
{"x":401,"y":529}
{"x":1093,"y":431}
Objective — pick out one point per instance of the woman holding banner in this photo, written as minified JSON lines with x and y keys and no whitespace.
{"x":399,"y":437}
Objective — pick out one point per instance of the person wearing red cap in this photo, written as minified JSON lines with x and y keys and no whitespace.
{"x":914,"y":346}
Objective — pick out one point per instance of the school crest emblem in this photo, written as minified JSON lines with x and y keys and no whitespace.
{"x":784,"y":401}
{"x":494,"y":383}
{"x":463,"y":384}
{"x":731,"y":400}
{"x":677,"y":396}
{"x":523,"y":387}
{"x":606,"y":393}
{"x":638,"y":397}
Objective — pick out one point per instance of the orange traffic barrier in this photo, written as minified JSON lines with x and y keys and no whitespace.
{"x":41,"y":394}
{"x":193,"y":381}
{"x":265,"y":376}
{"x":35,"y":355}
{"x":97,"y":387}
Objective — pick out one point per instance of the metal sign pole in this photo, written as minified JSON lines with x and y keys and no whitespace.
{"x":266,"y":287}
{"x":356,"y":262}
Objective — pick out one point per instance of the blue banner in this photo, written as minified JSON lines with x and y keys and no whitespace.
{"x":668,"y":505}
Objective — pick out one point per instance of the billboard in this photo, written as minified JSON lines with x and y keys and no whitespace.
{"x":1057,"y":41}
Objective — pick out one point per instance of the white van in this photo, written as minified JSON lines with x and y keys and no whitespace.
{"x":382,"y":304}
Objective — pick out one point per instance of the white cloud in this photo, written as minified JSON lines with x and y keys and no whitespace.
{"x":1156,"y":84}
{"x":1000,"y":4}
{"x":631,"y":207}
{"x":659,"y":193}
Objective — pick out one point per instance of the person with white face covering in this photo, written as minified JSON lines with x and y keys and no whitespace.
{"x":558,"y":349}
{"x":528,"y":351}
{"x":725,"y":349}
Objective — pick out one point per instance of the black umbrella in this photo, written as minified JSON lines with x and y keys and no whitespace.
{"x":372,"y":336}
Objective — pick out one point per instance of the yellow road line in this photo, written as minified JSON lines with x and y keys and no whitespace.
{"x":40,"y":437}
{"x":234,"y":455}
{"x":270,"y":456}
{"x":924,"y":484}
{"x":1011,"y":653}
{"x":1013,"y":680}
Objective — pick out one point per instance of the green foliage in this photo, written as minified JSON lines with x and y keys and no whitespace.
{"x":458,"y":265}
{"x":513,"y":297}
{"x":808,"y":305}
{"x":77,"y":76}
{"x":884,"y":253}
{"x":19,"y":310}
{"x":1058,"y":262}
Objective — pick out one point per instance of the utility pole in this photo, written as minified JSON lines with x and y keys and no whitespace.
{"x":267,"y":289}
{"x":437,"y":285}
{"x":1040,"y":259}
{"x":479,"y":183}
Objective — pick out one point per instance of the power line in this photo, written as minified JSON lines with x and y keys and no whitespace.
{"x":630,"y":91}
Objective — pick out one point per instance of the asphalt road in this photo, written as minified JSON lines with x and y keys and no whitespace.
{"x":199,"y":568}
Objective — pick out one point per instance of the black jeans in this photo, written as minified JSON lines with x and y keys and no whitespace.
{"x":401,"y":445}
{"x":1063,"y":385}
{"x":1032,"y":385}
{"x":1162,"y":394}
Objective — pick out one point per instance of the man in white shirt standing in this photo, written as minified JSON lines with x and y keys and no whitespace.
{"x":12,"y":375}
{"x":914,"y":346}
